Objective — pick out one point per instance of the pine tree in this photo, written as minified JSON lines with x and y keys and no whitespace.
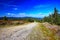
{"x":5,"y":18}
{"x":51,"y":18}
{"x":55,"y":16}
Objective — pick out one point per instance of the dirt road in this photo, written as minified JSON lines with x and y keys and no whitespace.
{"x":17,"y":32}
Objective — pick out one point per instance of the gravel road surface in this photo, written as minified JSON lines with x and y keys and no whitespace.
{"x":17,"y":32}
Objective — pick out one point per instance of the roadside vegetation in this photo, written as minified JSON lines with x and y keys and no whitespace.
{"x":5,"y":22}
{"x":42,"y":33}
{"x":53,"y":18}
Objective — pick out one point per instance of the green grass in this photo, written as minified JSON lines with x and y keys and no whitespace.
{"x":42,"y":33}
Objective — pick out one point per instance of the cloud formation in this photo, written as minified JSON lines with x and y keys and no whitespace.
{"x":11,"y":14}
{"x":26,"y":15}
{"x":41,"y":6}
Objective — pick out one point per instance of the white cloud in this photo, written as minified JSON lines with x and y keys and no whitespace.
{"x":27,"y":15}
{"x":37,"y":15}
{"x":10,"y":14}
{"x":41,"y":6}
{"x":17,"y":15}
{"x":13,"y":14}
{"x":15,"y":8}
{"x":59,"y":12}
{"x":21,"y":14}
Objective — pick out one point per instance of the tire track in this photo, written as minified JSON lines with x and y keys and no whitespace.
{"x":18,"y":33}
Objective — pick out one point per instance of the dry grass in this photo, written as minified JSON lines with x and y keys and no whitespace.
{"x":42,"y":33}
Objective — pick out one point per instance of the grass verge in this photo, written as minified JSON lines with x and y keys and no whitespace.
{"x":42,"y":33}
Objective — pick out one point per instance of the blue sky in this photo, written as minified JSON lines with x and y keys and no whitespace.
{"x":28,"y":8}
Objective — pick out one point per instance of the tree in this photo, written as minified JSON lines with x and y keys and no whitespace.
{"x":5,"y":18}
{"x":53,"y":18}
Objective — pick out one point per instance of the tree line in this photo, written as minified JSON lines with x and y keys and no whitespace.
{"x":53,"y":18}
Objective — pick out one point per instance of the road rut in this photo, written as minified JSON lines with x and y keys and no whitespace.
{"x":17,"y":33}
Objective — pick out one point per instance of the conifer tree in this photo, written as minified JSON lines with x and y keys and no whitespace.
{"x":5,"y":18}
